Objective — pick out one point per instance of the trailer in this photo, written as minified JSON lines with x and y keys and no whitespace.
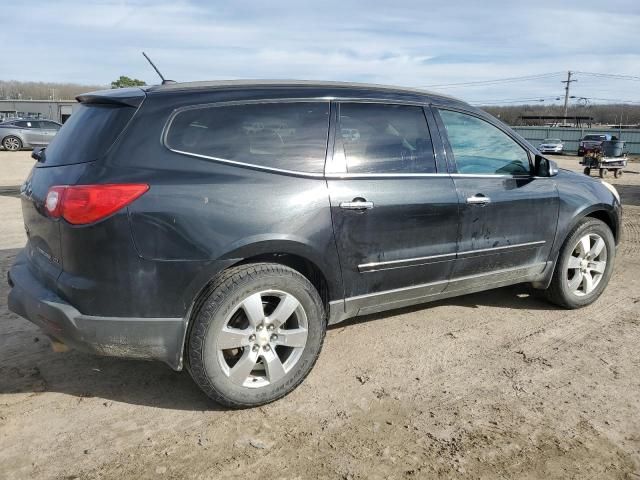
{"x":609,"y":156}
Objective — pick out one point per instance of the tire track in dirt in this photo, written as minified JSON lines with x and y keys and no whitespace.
{"x":630,"y":246}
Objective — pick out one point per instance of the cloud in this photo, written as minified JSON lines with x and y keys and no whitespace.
{"x":410,"y":43}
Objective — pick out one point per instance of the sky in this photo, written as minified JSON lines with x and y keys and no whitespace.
{"x":408,"y":43}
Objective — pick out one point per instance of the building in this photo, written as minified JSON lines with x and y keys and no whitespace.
{"x":56,"y":110}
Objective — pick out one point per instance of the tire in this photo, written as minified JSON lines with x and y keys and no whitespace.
{"x":12,"y":143}
{"x":587,"y":171}
{"x":617,"y":173}
{"x":569,"y":288}
{"x":240,"y":311}
{"x":603,"y":172}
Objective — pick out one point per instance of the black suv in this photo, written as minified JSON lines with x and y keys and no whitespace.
{"x":222,"y":226}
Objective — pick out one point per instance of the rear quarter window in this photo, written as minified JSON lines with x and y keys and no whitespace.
{"x":88,"y":134}
{"x":285,"y":136}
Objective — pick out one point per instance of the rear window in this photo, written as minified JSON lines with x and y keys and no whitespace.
{"x":595,"y":137}
{"x":287,"y":136}
{"x":88,"y":134}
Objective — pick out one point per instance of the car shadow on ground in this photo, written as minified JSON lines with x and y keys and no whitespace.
{"x":10,"y":191}
{"x":520,"y":297}
{"x":629,"y":194}
{"x":28,"y":364}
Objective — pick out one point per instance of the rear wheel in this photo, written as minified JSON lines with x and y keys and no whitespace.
{"x":11,"y":143}
{"x":617,"y":173}
{"x":587,"y":171}
{"x":584,"y":265}
{"x":257,"y":335}
{"x":603,"y":172}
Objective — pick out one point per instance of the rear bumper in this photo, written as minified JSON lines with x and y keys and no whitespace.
{"x":127,"y":337}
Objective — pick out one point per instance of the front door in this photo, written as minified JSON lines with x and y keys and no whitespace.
{"x":395,"y":217}
{"x":508,"y":216}
{"x":30,"y":130}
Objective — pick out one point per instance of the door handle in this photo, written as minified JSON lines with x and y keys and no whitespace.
{"x":478,"y":199}
{"x":357,"y":204}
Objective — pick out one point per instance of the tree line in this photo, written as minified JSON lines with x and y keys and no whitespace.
{"x":610,"y":114}
{"x":15,"y":90}
{"x":627,"y":114}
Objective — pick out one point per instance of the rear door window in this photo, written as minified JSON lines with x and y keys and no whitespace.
{"x":381,"y":138}
{"x":88,"y":134}
{"x":287,"y":136}
{"x":49,"y":125}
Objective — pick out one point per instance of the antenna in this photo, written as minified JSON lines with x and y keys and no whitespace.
{"x":164,"y":81}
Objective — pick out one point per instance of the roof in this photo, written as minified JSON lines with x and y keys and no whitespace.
{"x":215,"y":84}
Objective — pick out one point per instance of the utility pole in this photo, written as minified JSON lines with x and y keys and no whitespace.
{"x":566,"y":93}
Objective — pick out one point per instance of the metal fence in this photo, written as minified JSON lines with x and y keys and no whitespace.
{"x":571,"y":136}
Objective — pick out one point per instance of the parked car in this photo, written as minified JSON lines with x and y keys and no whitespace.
{"x":26,"y":133}
{"x":551,"y":145}
{"x":163,"y":224}
{"x":593,"y":141}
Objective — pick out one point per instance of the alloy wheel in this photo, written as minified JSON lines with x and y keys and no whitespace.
{"x":12,"y":144}
{"x":587,"y":264}
{"x":262,"y":339}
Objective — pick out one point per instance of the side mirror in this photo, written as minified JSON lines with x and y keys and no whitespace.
{"x":38,"y":154}
{"x":545,"y":167}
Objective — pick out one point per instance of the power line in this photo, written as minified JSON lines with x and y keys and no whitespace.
{"x":610,"y":75}
{"x":613,"y":100}
{"x":496,"y":80}
{"x":541,"y":99}
{"x":529,"y":78}
{"x":512,"y":100}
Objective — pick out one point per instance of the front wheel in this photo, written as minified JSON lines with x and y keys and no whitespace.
{"x":603,"y":172}
{"x":584,"y":266}
{"x":587,"y":171}
{"x":257,"y":335}
{"x":617,"y":173}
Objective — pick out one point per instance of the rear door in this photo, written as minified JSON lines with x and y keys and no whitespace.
{"x":395,"y":215}
{"x":508,"y":216}
{"x":48,"y":131}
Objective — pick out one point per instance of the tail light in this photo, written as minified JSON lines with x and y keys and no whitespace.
{"x":84,"y":204}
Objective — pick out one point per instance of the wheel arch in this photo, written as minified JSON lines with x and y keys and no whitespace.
{"x":297,"y":256}
{"x":602,"y":212}
{"x":606,"y":217}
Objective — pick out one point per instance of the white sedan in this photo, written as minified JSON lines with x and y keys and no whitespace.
{"x":551,"y":145}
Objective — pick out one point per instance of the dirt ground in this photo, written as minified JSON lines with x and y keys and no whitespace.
{"x":499,"y":384}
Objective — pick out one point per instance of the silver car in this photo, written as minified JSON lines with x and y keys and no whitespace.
{"x":25,"y":133}
{"x":551,"y":145}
